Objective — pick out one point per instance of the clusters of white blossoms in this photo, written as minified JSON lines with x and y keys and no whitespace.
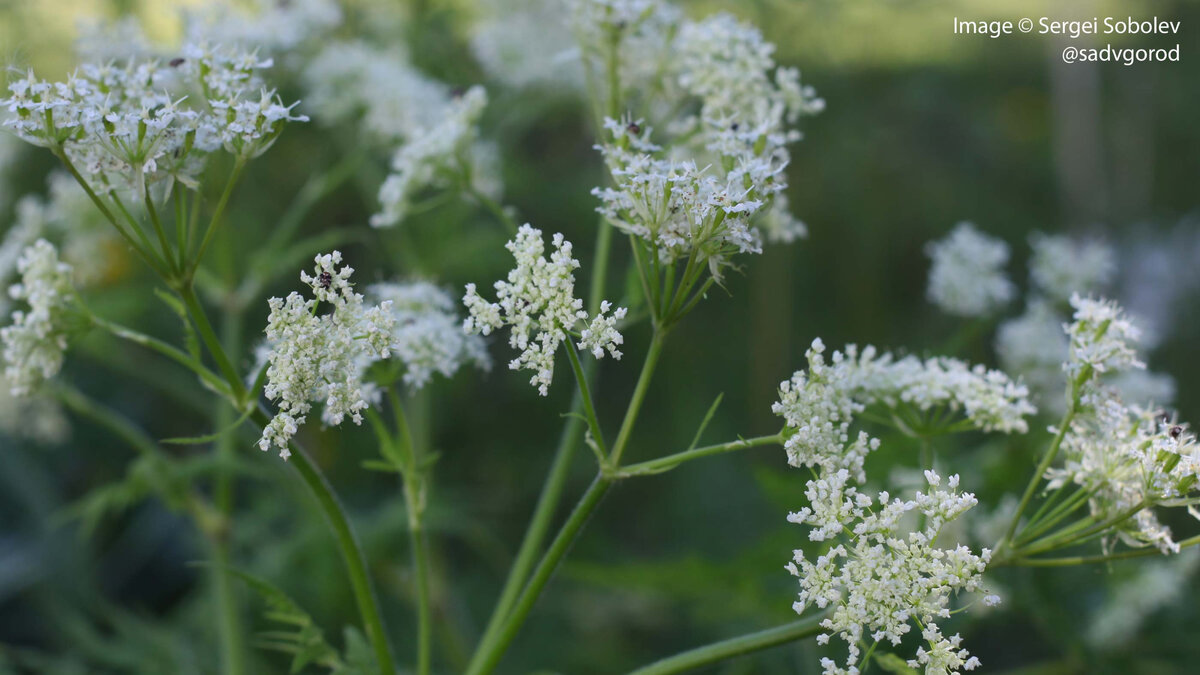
{"x":319,"y":356}
{"x":375,"y":87}
{"x":36,"y":340}
{"x":967,"y":277}
{"x":516,"y":43}
{"x":1129,"y":458}
{"x":447,"y":153}
{"x":538,"y":304}
{"x":427,"y":337}
{"x":269,"y":25}
{"x":819,"y":405}
{"x":722,"y":169}
{"x":131,"y":124}
{"x":882,"y":576}
{"x":1061,"y":266}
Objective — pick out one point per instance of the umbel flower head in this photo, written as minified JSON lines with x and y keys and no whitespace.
{"x":1061,"y":266}
{"x":134,"y":123}
{"x":436,"y":157}
{"x":318,"y":357}
{"x":967,"y":277}
{"x":428,"y":336}
{"x":1130,"y":459}
{"x":35,"y":342}
{"x":882,"y":576}
{"x":538,"y":304}
{"x":819,"y":405}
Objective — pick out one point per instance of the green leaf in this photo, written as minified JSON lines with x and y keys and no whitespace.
{"x":380,"y":466}
{"x":301,"y":637}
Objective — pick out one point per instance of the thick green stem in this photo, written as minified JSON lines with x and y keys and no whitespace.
{"x":232,"y":648}
{"x":639,"y":396}
{"x":420,"y":558}
{"x":356,"y":564}
{"x":738,"y":646}
{"x":669,"y":462}
{"x":414,"y":502}
{"x":488,"y":655}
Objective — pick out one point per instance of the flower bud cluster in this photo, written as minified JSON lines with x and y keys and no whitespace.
{"x":434,"y":158}
{"x":538,"y":304}
{"x":36,"y":340}
{"x":883,"y":575}
{"x":320,"y":357}
{"x":427,"y":337}
{"x":967,"y":276}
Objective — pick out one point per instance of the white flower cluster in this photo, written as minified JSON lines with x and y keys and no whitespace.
{"x":744,"y":106}
{"x":538,"y":304}
{"x":66,"y":215}
{"x":819,"y":405}
{"x":37,"y":417}
{"x":635,"y":35}
{"x":127,"y":124}
{"x":319,"y":357}
{"x":1033,"y":345}
{"x":1062,"y":266}
{"x":518,"y":42}
{"x":883,"y":576}
{"x":967,"y":276}
{"x":35,"y":342}
{"x":270,"y":25}
{"x":348,"y":80}
{"x":437,"y":157}
{"x":427,"y":337}
{"x":1130,"y":458}
{"x":1101,"y":337}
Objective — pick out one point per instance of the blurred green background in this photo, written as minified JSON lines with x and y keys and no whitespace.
{"x":923,"y":128}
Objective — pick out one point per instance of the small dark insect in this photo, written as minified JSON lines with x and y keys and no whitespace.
{"x":734,"y":126}
{"x":633,"y":128}
{"x":176,"y":62}
{"x":325,"y":279}
{"x":457,"y":92}
{"x":1176,"y":431}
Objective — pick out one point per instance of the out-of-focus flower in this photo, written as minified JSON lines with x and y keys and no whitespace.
{"x":967,"y":276}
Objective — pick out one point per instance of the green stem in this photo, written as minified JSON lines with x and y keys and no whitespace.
{"x":1051,"y":453}
{"x":492,"y":206}
{"x":738,"y":646}
{"x":356,"y":564}
{"x":145,"y":254}
{"x":488,"y":655}
{"x":589,"y":408}
{"x":160,"y":233}
{"x":196,"y":310}
{"x":1089,"y":559}
{"x":669,"y":462}
{"x":639,"y":395}
{"x":218,"y":213}
{"x":232,"y":648}
{"x":165,"y":349}
{"x":414,"y":502}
